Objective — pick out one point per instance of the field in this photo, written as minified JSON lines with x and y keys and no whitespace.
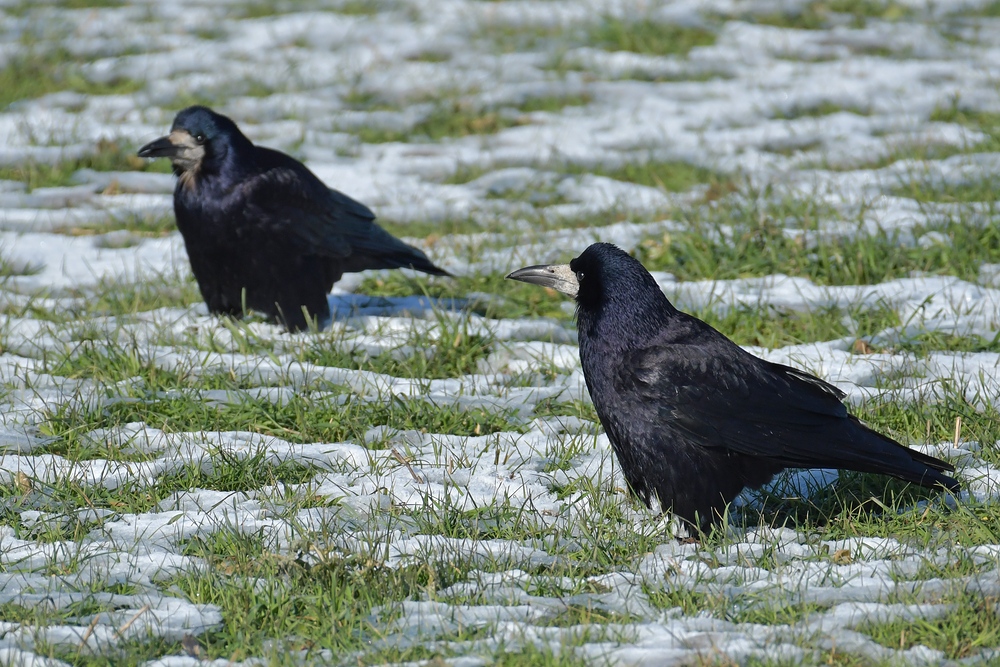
{"x":426,"y":482}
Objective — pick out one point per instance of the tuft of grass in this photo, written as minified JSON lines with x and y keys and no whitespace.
{"x":266,"y":8}
{"x":87,"y":4}
{"x":671,"y":176}
{"x":648,"y":37}
{"x":824,"y":108}
{"x":918,"y":151}
{"x":34,"y":73}
{"x":136,"y":223}
{"x":744,"y":608}
{"x":108,"y":155}
{"x":430,"y":56}
{"x":466,"y":173}
{"x":667,"y":175}
{"x":823,"y":14}
{"x":299,"y":607}
{"x":365,"y":100}
{"x":227,"y":471}
{"x":10,"y":267}
{"x":507,"y":522}
{"x":299,"y":419}
{"x":517,"y":300}
{"x":554,"y":103}
{"x":108,"y":362}
{"x":613,"y":34}
{"x":362,"y":7}
{"x":116,"y":299}
{"x":925,"y":190}
{"x":989,"y":9}
{"x":763,"y":246}
{"x":987,"y":122}
{"x":263,"y":9}
{"x":446,"y":119}
{"x":972,"y":624}
{"x":47,"y":614}
{"x":551,"y":408}
{"x":151,"y":292}
{"x":451,"y":352}
{"x":937,"y":341}
{"x":506,"y":38}
{"x":770,"y":328}
{"x":575,"y":615}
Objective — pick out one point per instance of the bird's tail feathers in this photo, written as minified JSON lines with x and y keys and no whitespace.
{"x":385,"y":251}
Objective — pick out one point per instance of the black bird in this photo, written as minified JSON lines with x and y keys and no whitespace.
{"x":261,"y":230}
{"x":694,"y":418}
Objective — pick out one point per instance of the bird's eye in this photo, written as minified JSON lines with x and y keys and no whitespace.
{"x":200,"y":138}
{"x":579,"y":276}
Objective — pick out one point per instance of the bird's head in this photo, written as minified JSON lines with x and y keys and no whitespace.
{"x":603,"y":274}
{"x":198,"y":136}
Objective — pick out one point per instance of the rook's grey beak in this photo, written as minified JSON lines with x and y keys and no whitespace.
{"x":557,"y":276}
{"x":162,"y":147}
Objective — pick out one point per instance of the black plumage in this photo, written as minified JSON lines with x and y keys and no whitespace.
{"x":694,"y":418}
{"x":262,"y":232}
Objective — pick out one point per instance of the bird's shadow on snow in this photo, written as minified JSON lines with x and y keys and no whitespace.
{"x":359,"y":305}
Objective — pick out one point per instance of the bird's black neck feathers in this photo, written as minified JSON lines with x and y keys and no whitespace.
{"x":618,"y":299}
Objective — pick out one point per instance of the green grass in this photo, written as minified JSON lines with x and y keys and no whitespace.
{"x":11,"y":267}
{"x":648,"y":37}
{"x":765,"y":246}
{"x":744,"y":608}
{"x":989,"y":9}
{"x":445,"y":119}
{"x":581,"y":409}
{"x":452,"y":351}
{"x":224,"y":471}
{"x":457,"y":118}
{"x":824,"y":108}
{"x":37,"y":615}
{"x":775,"y":328}
{"x":34,"y":73}
{"x":822,"y":14}
{"x":323,"y":574}
{"x":87,"y":4}
{"x":519,"y":300}
{"x":112,"y":298}
{"x":917,"y":151}
{"x":140,"y":225}
{"x":987,"y":122}
{"x":108,"y":155}
{"x":972,"y":625}
{"x":643,"y":36}
{"x":340,"y":604}
{"x":506,"y":38}
{"x":924,"y":190}
{"x":300,"y":419}
{"x":671,"y":176}
{"x":327,"y":605}
{"x":554,"y":103}
{"x":430,"y":56}
{"x":936,"y":341}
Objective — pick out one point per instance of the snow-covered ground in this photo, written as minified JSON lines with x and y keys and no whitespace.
{"x":746,"y":104}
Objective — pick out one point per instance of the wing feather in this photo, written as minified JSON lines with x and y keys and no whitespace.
{"x":726,"y":398}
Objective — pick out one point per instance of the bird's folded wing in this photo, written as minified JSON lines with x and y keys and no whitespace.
{"x":743,"y":404}
{"x":324,"y":221}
